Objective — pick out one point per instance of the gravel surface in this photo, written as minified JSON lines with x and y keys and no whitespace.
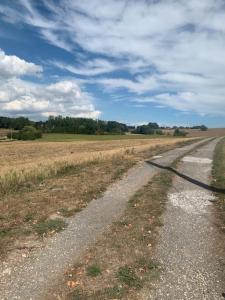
{"x":190,"y":248}
{"x":42,"y":268}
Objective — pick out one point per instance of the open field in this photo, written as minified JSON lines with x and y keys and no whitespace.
{"x":211,"y":132}
{"x":68,"y":137}
{"x":30,"y":157}
{"x":55,"y":180}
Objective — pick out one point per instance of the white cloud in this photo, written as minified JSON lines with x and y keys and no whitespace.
{"x":89,"y":68}
{"x":64,"y":98}
{"x":13,"y":66}
{"x":140,"y":85}
{"x":22,"y":97}
{"x":173,"y":49}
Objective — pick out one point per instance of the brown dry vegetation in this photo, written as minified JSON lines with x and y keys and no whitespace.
{"x":219,"y":182}
{"x":4,"y":132}
{"x":25,"y":215}
{"x":23,"y":162}
{"x":212,"y":132}
{"x":121,"y":264}
{"x":55,"y":180}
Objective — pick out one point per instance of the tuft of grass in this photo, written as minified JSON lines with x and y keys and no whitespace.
{"x":29,"y":217}
{"x":219,"y":177}
{"x":93,"y":270}
{"x":147,"y":263}
{"x":126,"y":251}
{"x":127,"y":275}
{"x":55,"y":225}
{"x":66,"y":212}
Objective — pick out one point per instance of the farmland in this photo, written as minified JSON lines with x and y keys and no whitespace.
{"x":26,"y":156}
{"x":67,"y":137}
{"x":43,"y":181}
{"x":211,"y":132}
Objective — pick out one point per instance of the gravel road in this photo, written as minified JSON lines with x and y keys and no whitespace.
{"x":43,"y":268}
{"x":191,"y":248}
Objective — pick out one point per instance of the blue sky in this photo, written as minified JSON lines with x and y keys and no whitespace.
{"x":125,"y":60}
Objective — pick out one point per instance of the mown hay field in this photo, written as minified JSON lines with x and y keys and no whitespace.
{"x":23,"y":157}
{"x":211,"y":132}
{"x":41,"y":182}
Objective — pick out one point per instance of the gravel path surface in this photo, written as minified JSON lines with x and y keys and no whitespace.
{"x":42,"y":269}
{"x":191,"y":248}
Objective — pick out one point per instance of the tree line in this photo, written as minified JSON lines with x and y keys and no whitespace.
{"x":59,"y":124}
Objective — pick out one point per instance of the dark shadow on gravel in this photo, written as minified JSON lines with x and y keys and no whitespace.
{"x":192,"y":180}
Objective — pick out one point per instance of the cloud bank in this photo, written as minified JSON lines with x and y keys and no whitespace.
{"x":173,"y":50}
{"x":22,"y":97}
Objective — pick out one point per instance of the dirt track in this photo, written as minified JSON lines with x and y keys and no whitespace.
{"x":40,"y":271}
{"x":191,"y":248}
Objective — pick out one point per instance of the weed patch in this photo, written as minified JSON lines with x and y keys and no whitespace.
{"x":126,"y":275}
{"x":50,"y":226}
{"x":219,"y":179}
{"x":93,"y":270}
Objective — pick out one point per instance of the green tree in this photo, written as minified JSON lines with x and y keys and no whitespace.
{"x":27,"y":133}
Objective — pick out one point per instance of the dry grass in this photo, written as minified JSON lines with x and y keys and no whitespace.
{"x":24,"y":213}
{"x":123,"y":256}
{"x":219,"y":182}
{"x":56,"y":180}
{"x":31,"y":162}
{"x":212,"y":132}
{"x":4,"y":132}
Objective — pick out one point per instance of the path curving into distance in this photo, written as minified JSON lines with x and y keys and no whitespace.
{"x":191,"y":247}
{"x":42,"y":270}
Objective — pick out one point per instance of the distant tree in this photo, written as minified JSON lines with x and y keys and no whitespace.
{"x":60,"y":124}
{"x":14,"y":123}
{"x":159,"y":132}
{"x":150,"y":128}
{"x":153,"y":125}
{"x":203,"y":128}
{"x":200,"y":127}
{"x":178,"y":132}
{"x":27,"y":133}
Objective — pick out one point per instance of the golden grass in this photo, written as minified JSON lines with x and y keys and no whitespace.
{"x":74,"y":174}
{"x":28,"y":161}
{"x":211,"y":132}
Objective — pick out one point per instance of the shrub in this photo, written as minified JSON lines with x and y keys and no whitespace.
{"x":27,"y":133}
{"x":203,"y":128}
{"x":178,"y":132}
{"x":159,"y":132}
{"x":55,"y":225}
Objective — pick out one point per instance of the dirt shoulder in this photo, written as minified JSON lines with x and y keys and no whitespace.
{"x":121,"y":263}
{"x":219,"y":182}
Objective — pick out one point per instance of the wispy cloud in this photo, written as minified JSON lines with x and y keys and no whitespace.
{"x":172,"y":49}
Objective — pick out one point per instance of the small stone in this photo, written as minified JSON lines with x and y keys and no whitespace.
{"x":7,"y":271}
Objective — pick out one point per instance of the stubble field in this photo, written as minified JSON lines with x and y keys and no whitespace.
{"x":43,"y":183}
{"x":42,"y":157}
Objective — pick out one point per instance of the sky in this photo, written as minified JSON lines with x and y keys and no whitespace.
{"x":126,"y":60}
